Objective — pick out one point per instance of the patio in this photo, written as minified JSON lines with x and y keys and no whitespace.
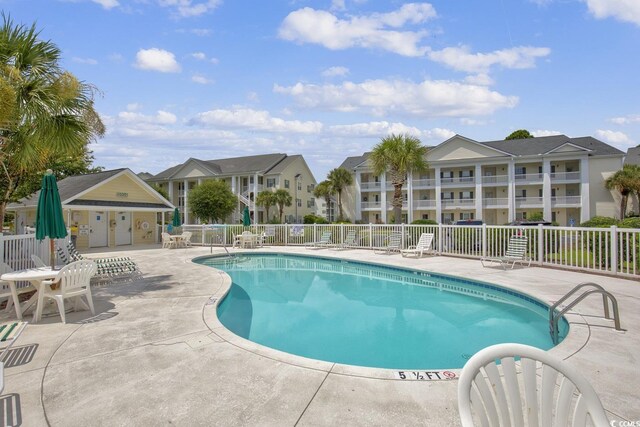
{"x":155,"y":353}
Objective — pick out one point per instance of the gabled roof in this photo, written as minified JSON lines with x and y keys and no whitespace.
{"x":546,"y":144}
{"x":351,"y":163}
{"x":633,"y":156}
{"x":232,"y":166}
{"x":73,"y":187}
{"x":284,"y":163}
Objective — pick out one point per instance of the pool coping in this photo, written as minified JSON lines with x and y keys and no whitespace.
{"x":576,"y":339}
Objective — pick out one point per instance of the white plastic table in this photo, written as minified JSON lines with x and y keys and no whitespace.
{"x":34,"y":275}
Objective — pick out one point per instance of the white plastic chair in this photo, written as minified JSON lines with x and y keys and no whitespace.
{"x":394,"y":244}
{"x":423,"y":245}
{"x":74,"y":282}
{"x":5,"y":287}
{"x":555,"y":393}
{"x":38,"y":261}
{"x":166,"y":240}
{"x":516,"y":252}
{"x":186,"y":238}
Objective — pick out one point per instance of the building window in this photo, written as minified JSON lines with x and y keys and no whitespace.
{"x":465,"y":216}
{"x":466,"y":176}
{"x":425,"y":216}
{"x":299,"y":202}
{"x":521,"y":193}
{"x":553,"y":216}
{"x":521,"y":216}
{"x":540,"y":192}
{"x":446,"y":195}
{"x":286,"y":183}
{"x":311,"y":203}
{"x":271,"y":182}
{"x":310,"y":188}
{"x":521,"y":171}
{"x":447,"y":217}
{"x":181,"y":194}
{"x":467,"y":195}
{"x":299,"y":185}
{"x":446,"y":174}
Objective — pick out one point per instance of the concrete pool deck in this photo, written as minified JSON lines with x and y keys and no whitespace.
{"x":154,"y":353}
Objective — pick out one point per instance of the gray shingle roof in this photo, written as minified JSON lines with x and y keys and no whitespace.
{"x":282,"y":165}
{"x":544,"y":144}
{"x":351,"y":162}
{"x":236,"y":165}
{"x":69,"y":187}
{"x":633,"y":156}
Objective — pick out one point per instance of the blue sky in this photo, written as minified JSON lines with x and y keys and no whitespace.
{"x":328,"y":79}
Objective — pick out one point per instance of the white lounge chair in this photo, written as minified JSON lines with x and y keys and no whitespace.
{"x":350,"y":240}
{"x":423,"y":246}
{"x":9,"y":333}
{"x":324,"y":242}
{"x":167,"y":242}
{"x":516,"y":252}
{"x":394,"y":244}
{"x":74,"y":282}
{"x":537,"y":390}
{"x":38,"y":261}
{"x":186,"y":238}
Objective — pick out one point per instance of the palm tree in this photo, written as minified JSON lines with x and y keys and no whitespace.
{"x":324,"y":191}
{"x":44,"y":110}
{"x":266,"y":199}
{"x":626,"y":181}
{"x":398,"y":156}
{"x":282,"y":198}
{"x":339,"y":179}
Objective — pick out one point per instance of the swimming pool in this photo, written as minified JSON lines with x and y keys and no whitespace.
{"x":362,"y":314}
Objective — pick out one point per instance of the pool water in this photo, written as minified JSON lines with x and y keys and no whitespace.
{"x":361,"y":314}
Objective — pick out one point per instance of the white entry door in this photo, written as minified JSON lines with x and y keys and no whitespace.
{"x":123,"y":228}
{"x":98,"y":223}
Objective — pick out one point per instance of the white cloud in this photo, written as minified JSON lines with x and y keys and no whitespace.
{"x":338,"y":5}
{"x":116,"y":57}
{"x":246,"y":118}
{"x":461,"y":59}
{"x":134,"y":106}
{"x":614,"y":137}
{"x":479,"y":79}
{"x":472,"y":122}
{"x":200,"y":79}
{"x":335,"y":71}
{"x":383,"y":128}
{"x":430,"y":98}
{"x":161,"y":118}
{"x":189,"y":8}
{"x":200,"y":56}
{"x":625,"y":120}
{"x":623,"y":10}
{"x":88,"y":61}
{"x":544,"y":132}
{"x":107,"y":4}
{"x":214,"y":60}
{"x":308,"y":25}
{"x":253,"y":97}
{"x":157,"y":60}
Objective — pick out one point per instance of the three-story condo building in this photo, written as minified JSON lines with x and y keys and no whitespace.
{"x":246,"y":176}
{"x":494,"y":181}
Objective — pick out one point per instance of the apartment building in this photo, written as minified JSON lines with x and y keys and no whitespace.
{"x":246,"y":176}
{"x":494,"y":181}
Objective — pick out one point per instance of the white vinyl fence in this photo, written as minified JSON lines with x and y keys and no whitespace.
{"x":16,"y":251}
{"x":606,"y":250}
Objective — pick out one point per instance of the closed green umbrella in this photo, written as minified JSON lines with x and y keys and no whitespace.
{"x":176,"y":218}
{"x":49,"y":218}
{"x":246,"y":217}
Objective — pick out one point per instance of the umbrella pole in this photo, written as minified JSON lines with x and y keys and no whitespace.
{"x":52,"y":254}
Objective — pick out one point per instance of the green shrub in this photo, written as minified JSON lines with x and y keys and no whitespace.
{"x":600,"y":222}
{"x":314,"y":219}
{"x":424,"y":222}
{"x":633,"y":222}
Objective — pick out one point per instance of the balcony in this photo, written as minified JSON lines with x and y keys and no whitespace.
{"x":424,"y":204}
{"x":405,"y":205}
{"x":496,"y":203}
{"x":370,"y":186}
{"x":424,"y":183}
{"x":529,"y":178}
{"x":463,"y":181}
{"x":458,"y":203}
{"x":528,"y":202}
{"x":495,"y":180}
{"x":566,"y":201}
{"x":370,"y":206}
{"x":558,"y":177}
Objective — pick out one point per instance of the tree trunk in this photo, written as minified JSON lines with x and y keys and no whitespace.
{"x":340,"y":217}
{"x":281,"y":208}
{"x":623,"y":206}
{"x":266,"y":208}
{"x":397,"y":203}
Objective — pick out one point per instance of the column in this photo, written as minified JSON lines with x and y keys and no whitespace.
{"x":186,"y":202}
{"x":233,"y":185}
{"x":171,"y":192}
{"x":253,"y":202}
{"x":383,"y":197}
{"x":478,"y":178}
{"x":511,"y":192}
{"x":546,"y":189}
{"x":357,"y":197}
{"x":585,"y":202}
{"x":438,"y":196}
{"x":409,"y":198}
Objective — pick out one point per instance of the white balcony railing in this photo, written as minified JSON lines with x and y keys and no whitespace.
{"x":424,"y":204}
{"x":458,"y":181}
{"x":370,"y":205}
{"x":566,"y":201}
{"x":458,"y":203}
{"x":529,"y":178}
{"x":500,"y":202}
{"x":565,"y":176}
{"x":495,"y":180}
{"x":523,"y":202}
{"x":370,"y":186}
{"x":424,"y":183}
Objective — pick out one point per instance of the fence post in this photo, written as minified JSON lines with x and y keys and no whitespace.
{"x":614,"y":249}
{"x":402,"y":231}
{"x":370,"y":235}
{"x":540,"y":244}
{"x":286,"y":235}
{"x":484,"y":240}
{"x":440,"y":238}
{"x":315,"y":233}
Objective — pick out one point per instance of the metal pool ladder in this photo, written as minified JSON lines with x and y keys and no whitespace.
{"x":555,"y":316}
